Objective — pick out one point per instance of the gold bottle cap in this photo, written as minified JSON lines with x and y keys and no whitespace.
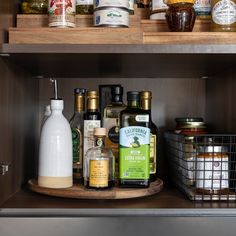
{"x":100,"y":131}
{"x":92,"y":94}
{"x":169,"y":2}
{"x":146,"y":94}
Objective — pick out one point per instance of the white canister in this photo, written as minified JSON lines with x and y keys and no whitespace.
{"x":111,"y":17}
{"x":55,"y":150}
{"x":158,"y":10}
{"x":111,"y":3}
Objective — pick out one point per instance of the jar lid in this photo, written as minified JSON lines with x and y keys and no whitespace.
{"x":212,"y":149}
{"x":169,"y":2}
{"x":188,"y":119}
{"x":193,"y":125}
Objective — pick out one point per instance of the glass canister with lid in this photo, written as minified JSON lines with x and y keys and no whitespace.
{"x":180,"y":15}
{"x":212,"y":168}
{"x":190,"y":126}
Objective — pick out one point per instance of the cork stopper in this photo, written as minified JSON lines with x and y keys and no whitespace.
{"x":100,"y":132}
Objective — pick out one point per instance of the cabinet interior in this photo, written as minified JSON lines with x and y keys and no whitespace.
{"x":181,"y":86}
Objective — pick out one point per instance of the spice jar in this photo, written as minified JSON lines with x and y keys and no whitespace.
{"x":180,"y":15}
{"x":212,"y":174}
{"x":223,"y":15}
{"x":34,"y":6}
{"x":190,"y":126}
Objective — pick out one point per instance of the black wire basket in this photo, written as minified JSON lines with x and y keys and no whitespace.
{"x":203,"y":166}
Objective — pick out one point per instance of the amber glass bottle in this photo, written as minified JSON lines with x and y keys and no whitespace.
{"x":180,"y":15}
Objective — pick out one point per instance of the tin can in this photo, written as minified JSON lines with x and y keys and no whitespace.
{"x":158,"y":10}
{"x":111,"y":3}
{"x":61,"y":13}
{"x":111,"y":17}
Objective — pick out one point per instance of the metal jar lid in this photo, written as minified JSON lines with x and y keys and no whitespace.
{"x":188,"y":119}
{"x":192,"y":125}
{"x":212,"y":149}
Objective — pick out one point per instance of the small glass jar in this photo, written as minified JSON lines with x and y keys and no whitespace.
{"x":223,"y":15}
{"x":34,"y":6}
{"x":190,"y":126}
{"x":180,"y":15}
{"x":212,"y":171}
{"x":99,"y":164}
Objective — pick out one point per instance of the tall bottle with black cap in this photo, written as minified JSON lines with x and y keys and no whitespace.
{"x":77,"y":127}
{"x":111,"y":121}
{"x":55,"y":149}
{"x":134,"y":144}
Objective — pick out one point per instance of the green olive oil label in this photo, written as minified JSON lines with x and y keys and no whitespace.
{"x":134,"y":152}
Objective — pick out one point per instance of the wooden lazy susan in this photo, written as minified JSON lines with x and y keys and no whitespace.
{"x":80,"y":192}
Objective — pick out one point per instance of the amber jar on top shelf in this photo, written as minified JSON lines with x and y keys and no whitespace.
{"x":180,"y":15}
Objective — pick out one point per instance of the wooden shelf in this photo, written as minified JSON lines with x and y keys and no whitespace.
{"x":169,"y":202}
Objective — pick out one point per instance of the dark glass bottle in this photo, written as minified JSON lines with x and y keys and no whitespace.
{"x":77,"y":128}
{"x":146,"y":97}
{"x":134,"y":144}
{"x":92,"y":119}
{"x":111,"y":121}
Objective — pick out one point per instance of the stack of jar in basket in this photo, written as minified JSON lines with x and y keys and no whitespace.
{"x":205,"y":161}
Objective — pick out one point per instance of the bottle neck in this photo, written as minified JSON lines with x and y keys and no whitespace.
{"x":117,"y":98}
{"x":99,"y":141}
{"x":92,"y":104}
{"x":79,"y":103}
{"x":146,"y":104}
{"x":133,"y":103}
{"x":56,"y":111}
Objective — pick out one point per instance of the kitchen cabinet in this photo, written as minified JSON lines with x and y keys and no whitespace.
{"x":186,"y":80}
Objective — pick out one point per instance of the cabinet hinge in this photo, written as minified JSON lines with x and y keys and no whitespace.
{"x":4,"y":168}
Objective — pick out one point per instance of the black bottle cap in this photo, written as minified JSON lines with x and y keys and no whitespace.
{"x":116,"y":90}
{"x":80,"y":90}
{"x":133,"y":95}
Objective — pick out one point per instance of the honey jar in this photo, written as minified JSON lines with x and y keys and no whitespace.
{"x":180,"y":15}
{"x":212,"y":173}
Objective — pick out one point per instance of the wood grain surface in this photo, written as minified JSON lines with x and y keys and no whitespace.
{"x":75,"y":36}
{"x":34,"y":21}
{"x":79,"y":191}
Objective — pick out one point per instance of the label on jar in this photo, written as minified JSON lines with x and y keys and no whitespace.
{"x":153,"y":152}
{"x":84,"y":2}
{"x":111,"y":17}
{"x":134,"y":159}
{"x":212,"y":173}
{"x":89,"y":126}
{"x":202,"y":7}
{"x":98,"y":173}
{"x":111,"y":3}
{"x":158,"y":5}
{"x":131,"y":5}
{"x":224,"y":12}
{"x":61,"y":13}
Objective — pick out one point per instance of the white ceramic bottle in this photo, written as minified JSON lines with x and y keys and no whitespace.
{"x":55,"y":151}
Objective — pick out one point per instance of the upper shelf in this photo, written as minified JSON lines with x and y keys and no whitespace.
{"x":118,"y":52}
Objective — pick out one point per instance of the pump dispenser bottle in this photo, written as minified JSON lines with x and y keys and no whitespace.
{"x":55,"y":150}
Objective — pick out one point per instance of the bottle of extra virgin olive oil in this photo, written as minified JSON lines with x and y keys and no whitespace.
{"x":92,"y":119}
{"x":146,"y":97}
{"x":77,"y":127}
{"x":134,"y":149}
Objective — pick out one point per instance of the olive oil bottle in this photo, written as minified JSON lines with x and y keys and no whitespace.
{"x":92,"y":120}
{"x":146,"y":98}
{"x":134,"y":144}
